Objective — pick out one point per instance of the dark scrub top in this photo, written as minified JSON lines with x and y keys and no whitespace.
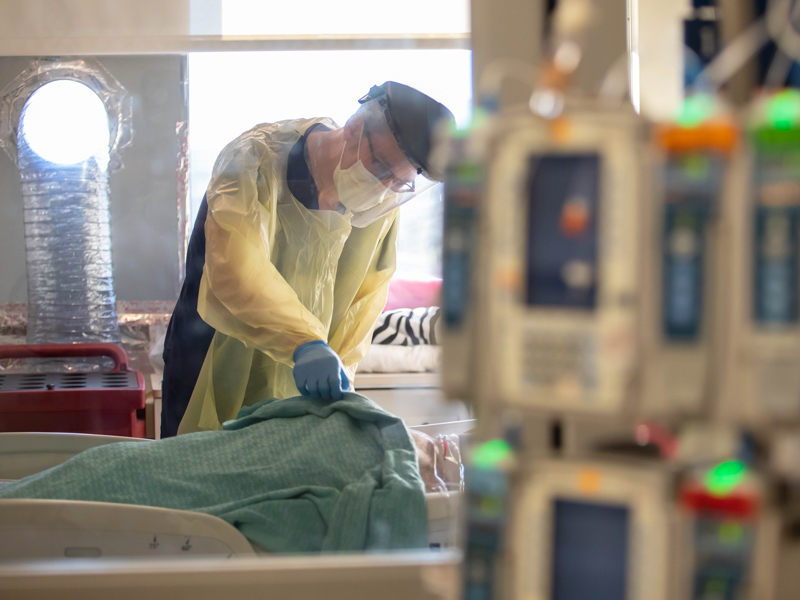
{"x":188,"y":336}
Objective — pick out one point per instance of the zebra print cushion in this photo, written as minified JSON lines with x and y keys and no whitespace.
{"x":407,"y":327}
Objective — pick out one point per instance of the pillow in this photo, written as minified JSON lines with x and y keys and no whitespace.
{"x":406,"y":292}
{"x":400,"y":359}
{"x":408,"y":327}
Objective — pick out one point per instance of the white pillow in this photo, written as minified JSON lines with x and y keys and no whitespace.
{"x":400,"y":359}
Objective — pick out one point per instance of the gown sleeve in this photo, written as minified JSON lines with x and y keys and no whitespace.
{"x":242,"y":294}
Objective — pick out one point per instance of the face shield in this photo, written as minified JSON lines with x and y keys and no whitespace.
{"x":382,"y":178}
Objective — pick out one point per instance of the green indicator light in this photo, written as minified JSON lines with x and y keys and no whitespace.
{"x":696,"y":167}
{"x":695,"y":109}
{"x":783,"y":110}
{"x":489,"y":454}
{"x":491,"y":507}
{"x":730,"y":533}
{"x":477,"y":120}
{"x":479,"y":117}
{"x":722,"y":479}
{"x":469,"y":173}
{"x":453,"y":130}
{"x":715,"y":587}
{"x":685,"y":218}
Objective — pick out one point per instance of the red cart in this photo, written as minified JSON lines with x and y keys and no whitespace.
{"x":108,"y":403}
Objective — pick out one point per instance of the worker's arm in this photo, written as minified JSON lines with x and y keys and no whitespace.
{"x":242,"y":294}
{"x":353,"y":334}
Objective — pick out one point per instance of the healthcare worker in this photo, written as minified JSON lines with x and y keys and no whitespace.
{"x":290,"y":257}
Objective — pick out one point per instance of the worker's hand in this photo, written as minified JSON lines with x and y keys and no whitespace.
{"x":346,"y":387}
{"x":318,"y":372}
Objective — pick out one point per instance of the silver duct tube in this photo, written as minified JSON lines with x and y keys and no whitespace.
{"x":68,"y":243}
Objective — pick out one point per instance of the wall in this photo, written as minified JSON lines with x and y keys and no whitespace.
{"x":515,"y":29}
{"x":604,"y":43}
{"x":144,"y":208}
{"x":504,"y":29}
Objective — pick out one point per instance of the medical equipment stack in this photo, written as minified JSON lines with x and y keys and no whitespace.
{"x":621,"y":310}
{"x":684,"y":249}
{"x":554,"y":328}
{"x":762,"y":394}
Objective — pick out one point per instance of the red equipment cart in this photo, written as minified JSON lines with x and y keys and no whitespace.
{"x":108,"y":403}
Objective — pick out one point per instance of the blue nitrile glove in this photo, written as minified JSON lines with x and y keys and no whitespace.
{"x":318,"y":371}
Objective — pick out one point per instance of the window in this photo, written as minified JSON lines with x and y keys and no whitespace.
{"x":65,"y":122}
{"x":231,"y":92}
{"x":344,"y":17}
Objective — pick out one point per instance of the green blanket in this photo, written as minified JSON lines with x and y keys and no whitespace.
{"x":292,"y":475}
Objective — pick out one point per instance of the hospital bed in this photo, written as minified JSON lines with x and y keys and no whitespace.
{"x":388,"y":576}
{"x":48,"y":529}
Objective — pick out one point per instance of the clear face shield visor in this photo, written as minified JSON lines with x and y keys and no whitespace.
{"x":382,"y":178}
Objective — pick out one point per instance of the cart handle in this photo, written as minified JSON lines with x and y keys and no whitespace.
{"x":68,"y":350}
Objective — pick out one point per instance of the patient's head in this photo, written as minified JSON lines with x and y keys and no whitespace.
{"x":434,"y":467}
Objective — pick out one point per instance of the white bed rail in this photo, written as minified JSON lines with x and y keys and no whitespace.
{"x":46,"y":529}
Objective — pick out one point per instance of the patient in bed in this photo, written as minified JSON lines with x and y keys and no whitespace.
{"x":294,"y":475}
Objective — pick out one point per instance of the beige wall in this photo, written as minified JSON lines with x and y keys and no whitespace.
{"x":47,"y":27}
{"x":506,"y":29}
{"x":514,"y":29}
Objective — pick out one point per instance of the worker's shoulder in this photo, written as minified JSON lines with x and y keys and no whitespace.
{"x":283,"y":130}
{"x":277,"y":134}
{"x":267,"y":141}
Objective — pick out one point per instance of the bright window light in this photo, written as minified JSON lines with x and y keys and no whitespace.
{"x":635,"y":83}
{"x":231,"y":92}
{"x":65,"y":122}
{"x":355,"y":17}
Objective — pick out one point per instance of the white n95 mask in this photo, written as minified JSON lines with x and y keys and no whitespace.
{"x":358,"y":189}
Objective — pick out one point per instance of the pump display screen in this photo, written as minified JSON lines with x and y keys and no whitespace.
{"x":776,"y":221}
{"x":590,"y":551}
{"x":722,"y":553}
{"x":691,"y":184}
{"x":562,"y":230}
